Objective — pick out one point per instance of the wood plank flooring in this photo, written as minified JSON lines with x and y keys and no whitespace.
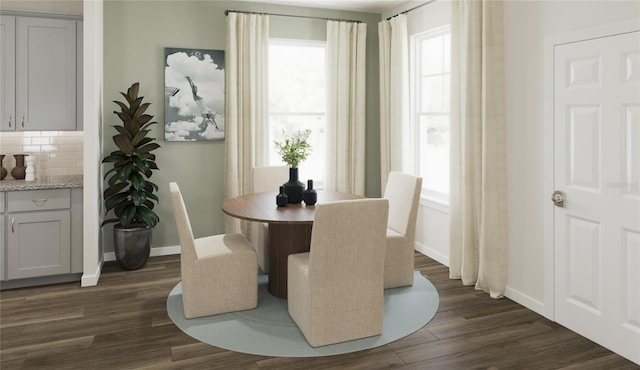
{"x":123,"y":323}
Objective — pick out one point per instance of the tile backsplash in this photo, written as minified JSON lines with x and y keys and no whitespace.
{"x":56,"y":152}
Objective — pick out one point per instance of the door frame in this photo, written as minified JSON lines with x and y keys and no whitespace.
{"x":551,"y":41}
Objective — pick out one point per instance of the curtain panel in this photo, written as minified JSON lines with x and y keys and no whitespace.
{"x":395,"y":148}
{"x":246,"y":104}
{"x":478,"y":216}
{"x":346,"y":62}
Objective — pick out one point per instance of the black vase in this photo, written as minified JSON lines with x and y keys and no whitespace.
{"x":282,"y":199}
{"x":293,"y":188}
{"x":310,"y":195}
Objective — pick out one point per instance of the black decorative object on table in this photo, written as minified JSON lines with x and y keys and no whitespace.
{"x":294,"y":149}
{"x":294,"y":188}
{"x":310,"y":196}
{"x":282,"y":199}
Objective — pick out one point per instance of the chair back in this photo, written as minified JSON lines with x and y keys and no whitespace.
{"x":403,"y":193}
{"x":347,"y":246}
{"x":185,"y":233}
{"x":269,"y":178}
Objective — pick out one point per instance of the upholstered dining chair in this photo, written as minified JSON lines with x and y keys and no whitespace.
{"x":335,"y":291}
{"x":219,"y":273}
{"x":403,"y":193}
{"x":265,"y":178}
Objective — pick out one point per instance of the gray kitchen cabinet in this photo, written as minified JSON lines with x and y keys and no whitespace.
{"x":7,"y":73}
{"x":44,"y":233}
{"x":44,"y":52}
{"x":2,"y":234}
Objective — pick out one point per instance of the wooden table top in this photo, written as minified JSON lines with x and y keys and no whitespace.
{"x":262,"y":207}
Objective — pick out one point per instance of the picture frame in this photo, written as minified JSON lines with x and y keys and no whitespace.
{"x":194,"y":94}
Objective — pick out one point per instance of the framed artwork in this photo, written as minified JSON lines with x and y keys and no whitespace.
{"x":194,"y":94}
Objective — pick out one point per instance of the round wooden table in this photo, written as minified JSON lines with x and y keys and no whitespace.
{"x":289,"y":228}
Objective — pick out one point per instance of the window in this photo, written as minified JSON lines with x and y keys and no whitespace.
{"x":297,"y":101}
{"x":431,"y":68}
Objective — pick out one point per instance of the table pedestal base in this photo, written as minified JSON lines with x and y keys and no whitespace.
{"x":285,"y":239}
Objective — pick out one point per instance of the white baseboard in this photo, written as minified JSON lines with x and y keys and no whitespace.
{"x":92,"y":280}
{"x":160,"y":251}
{"x":523,"y":299}
{"x":432,"y":253}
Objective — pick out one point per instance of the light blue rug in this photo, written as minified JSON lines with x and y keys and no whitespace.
{"x":268,"y":330}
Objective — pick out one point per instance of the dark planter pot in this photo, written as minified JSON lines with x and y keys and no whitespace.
{"x":294,"y":188}
{"x":132,"y":246}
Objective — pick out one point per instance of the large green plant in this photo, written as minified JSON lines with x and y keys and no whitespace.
{"x":130,"y":193}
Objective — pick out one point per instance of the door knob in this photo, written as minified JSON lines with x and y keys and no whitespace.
{"x":558,"y":197}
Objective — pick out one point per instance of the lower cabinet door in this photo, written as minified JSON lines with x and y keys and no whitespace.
{"x":38,"y":244}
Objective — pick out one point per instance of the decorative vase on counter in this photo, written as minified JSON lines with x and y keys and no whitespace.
{"x":310,"y":195}
{"x":294,"y":188}
{"x":3,"y":171}
{"x":19,"y":171}
{"x":282,"y":199}
{"x":29,"y":172}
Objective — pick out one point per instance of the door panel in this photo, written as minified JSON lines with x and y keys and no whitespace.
{"x":597,"y":165}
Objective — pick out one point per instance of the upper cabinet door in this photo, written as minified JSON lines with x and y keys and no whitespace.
{"x":46,"y":74}
{"x":7,"y":73}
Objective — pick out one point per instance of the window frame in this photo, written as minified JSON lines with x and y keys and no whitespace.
{"x":318,"y":183}
{"x":415,"y":103}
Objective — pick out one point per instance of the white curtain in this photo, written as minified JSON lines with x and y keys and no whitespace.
{"x":346,"y":106}
{"x":478,"y":233}
{"x":395,"y":149}
{"x":246,"y":106}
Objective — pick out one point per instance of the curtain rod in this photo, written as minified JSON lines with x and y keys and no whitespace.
{"x":414,"y":8}
{"x":226,"y":12}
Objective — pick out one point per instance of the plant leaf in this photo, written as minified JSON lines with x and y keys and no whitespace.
{"x":114,"y":200}
{"x":113,"y":158}
{"x":147,"y":216}
{"x":127,"y":215}
{"x":149,"y":183}
{"x":153,"y":196}
{"x":123,"y":143}
{"x":133,"y":90}
{"x":139,"y":136}
{"x":123,"y":131}
{"x":137,"y":181}
{"x":140,"y":111}
{"x":114,"y":189}
{"x":138,"y":197}
{"x":149,"y":147}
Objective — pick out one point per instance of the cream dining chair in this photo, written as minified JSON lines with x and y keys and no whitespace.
{"x":266,"y":178}
{"x":403,"y":193}
{"x":335,"y":291}
{"x":219,"y":273}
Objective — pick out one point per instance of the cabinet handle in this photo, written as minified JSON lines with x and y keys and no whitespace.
{"x":9,"y":119}
{"x":22,"y":119}
{"x":13,"y":220}
{"x":40,"y":202}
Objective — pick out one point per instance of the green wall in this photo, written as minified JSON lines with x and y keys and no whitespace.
{"x":135,"y":35}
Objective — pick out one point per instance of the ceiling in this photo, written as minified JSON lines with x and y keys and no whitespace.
{"x":367,"y":6}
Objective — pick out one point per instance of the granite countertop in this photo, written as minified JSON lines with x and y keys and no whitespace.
{"x":52,"y":182}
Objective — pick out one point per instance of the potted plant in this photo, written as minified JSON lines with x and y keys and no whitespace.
{"x":293,"y":150}
{"x":130,"y":194}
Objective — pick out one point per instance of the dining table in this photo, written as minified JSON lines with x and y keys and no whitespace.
{"x":289,"y":228}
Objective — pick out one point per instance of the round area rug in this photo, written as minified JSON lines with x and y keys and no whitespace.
{"x":268,"y":330}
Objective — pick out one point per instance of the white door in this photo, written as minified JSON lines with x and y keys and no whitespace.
{"x":597,"y":166}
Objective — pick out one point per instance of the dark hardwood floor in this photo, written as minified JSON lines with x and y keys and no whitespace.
{"x":123,"y":323}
